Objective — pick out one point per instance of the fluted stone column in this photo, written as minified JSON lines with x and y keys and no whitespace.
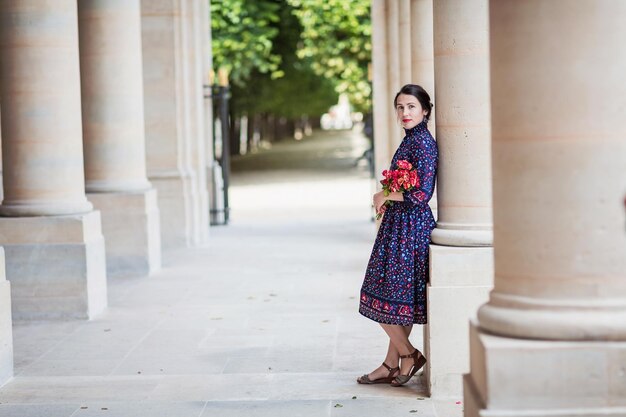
{"x":461,"y":259}
{"x":113,"y":134}
{"x":171,"y":138}
{"x":6,"y":331}
{"x":51,"y":236}
{"x":556,"y":318}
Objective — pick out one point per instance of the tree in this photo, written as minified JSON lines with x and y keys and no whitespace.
{"x":298,"y":91}
{"x":243,"y":32}
{"x":336,"y":37}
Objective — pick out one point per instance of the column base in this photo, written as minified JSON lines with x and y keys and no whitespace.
{"x":538,"y":378}
{"x":460,"y":235}
{"x":56,"y":266}
{"x":460,"y":281}
{"x":131,"y":229}
{"x":6,"y":330}
{"x":176,"y":204}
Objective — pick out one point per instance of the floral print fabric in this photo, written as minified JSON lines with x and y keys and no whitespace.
{"x":394,"y":288}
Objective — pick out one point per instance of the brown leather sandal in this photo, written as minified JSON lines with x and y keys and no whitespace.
{"x":365,"y":379}
{"x":419,"y":360}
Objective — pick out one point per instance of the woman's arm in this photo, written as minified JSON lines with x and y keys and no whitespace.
{"x":380,"y":198}
{"x":426,"y":172}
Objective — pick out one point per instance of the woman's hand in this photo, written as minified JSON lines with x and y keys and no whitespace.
{"x":379,"y":199}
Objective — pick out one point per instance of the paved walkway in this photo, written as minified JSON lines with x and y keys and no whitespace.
{"x":262,"y":322}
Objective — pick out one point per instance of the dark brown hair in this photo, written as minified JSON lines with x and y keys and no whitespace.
{"x":419,"y":93}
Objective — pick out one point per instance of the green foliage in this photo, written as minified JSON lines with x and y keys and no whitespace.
{"x":336,"y":37}
{"x":243,"y":32}
{"x":299,"y":91}
{"x":293,"y":57}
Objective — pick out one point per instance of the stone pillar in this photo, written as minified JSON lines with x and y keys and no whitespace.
{"x":422,"y":61}
{"x":52,"y":238}
{"x":422,"y":58}
{"x":461,"y":48}
{"x":556,"y":318}
{"x":212,"y":169}
{"x":170,"y":142}
{"x":461,"y":259}
{"x":113,"y":134}
{"x":404,"y":49}
{"x":395,"y":62}
{"x":6,"y":331}
{"x":196,"y":35}
{"x":381,"y":92}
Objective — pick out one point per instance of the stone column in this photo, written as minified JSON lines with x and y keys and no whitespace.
{"x":461,"y":48}
{"x":196,"y":36}
{"x":213,"y":170}
{"x":6,"y":331}
{"x":461,"y":259}
{"x":395,"y":63}
{"x":404,"y":50}
{"x":169,"y":138}
{"x":422,"y":61}
{"x":113,"y":134}
{"x":382,"y":105}
{"x":52,"y":238}
{"x":422,"y":58}
{"x":556,"y":319}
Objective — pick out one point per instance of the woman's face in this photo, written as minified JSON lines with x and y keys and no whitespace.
{"x":409,"y":111}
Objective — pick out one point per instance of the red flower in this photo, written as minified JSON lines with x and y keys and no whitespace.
{"x":404,"y":164}
{"x":399,"y":180}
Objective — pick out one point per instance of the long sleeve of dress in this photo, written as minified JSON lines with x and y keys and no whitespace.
{"x":426,"y":163}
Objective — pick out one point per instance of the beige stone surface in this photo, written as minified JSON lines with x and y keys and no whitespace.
{"x":460,"y":281}
{"x":461,"y":51}
{"x":131,"y":226}
{"x":114,"y":137}
{"x":559,"y":174}
{"x":171,"y":113}
{"x":422,"y":54}
{"x":51,"y":276}
{"x":41,"y":109}
{"x":112,"y":95}
{"x":405,"y":46}
{"x":540,"y":378}
{"x":383,"y":114}
{"x":197,"y":72}
{"x":6,"y":331}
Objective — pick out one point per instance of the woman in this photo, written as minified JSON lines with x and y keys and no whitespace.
{"x":394,"y":289}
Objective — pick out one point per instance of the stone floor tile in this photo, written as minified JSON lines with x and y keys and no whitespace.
{"x":388,"y":407}
{"x":234,"y":387}
{"x":293,"y":408}
{"x":70,"y":367}
{"x":60,"y":390}
{"x":142,"y":409}
{"x":38,"y":410}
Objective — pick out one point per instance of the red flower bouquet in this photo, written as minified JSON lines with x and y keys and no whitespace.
{"x":399,"y":180}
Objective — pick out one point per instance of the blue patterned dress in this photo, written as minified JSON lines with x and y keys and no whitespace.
{"x":394,"y":289}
